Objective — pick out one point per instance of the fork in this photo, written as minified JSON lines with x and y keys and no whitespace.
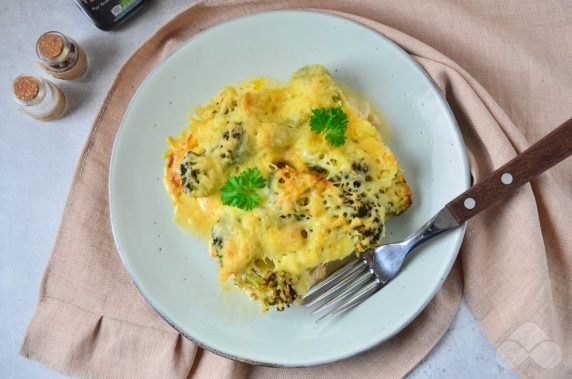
{"x":358,"y":280}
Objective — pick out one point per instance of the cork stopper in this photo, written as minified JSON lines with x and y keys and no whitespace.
{"x":26,"y":88}
{"x":50,"y":45}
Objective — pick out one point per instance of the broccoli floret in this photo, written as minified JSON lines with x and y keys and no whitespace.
{"x":195,"y":167}
{"x":192,"y":172}
{"x":271,"y":289}
{"x":228,"y":149}
{"x":356,"y":200}
{"x":260,"y":281}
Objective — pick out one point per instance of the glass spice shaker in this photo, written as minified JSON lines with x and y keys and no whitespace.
{"x":39,"y":98}
{"x":60,"y":56}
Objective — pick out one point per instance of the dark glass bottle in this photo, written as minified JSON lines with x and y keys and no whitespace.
{"x":107,"y":14}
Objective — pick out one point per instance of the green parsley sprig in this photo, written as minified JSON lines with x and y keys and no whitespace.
{"x":239,"y":191}
{"x":332,"y":122}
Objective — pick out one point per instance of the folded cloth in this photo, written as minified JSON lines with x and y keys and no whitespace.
{"x":504,"y":67}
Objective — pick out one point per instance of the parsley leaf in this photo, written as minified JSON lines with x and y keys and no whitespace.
{"x":332,"y":122}
{"x":239,"y":191}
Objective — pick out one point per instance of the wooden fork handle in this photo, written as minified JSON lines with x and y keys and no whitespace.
{"x":544,"y":154}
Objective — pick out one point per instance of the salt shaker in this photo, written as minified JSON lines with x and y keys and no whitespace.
{"x":39,"y":98}
{"x":60,"y":56}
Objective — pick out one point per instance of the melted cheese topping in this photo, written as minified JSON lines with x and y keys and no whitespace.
{"x":321,"y":203}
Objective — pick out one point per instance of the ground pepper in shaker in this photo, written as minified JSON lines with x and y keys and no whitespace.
{"x":39,"y":98}
{"x":60,"y":56}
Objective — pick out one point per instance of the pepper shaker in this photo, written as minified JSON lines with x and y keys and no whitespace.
{"x":60,"y":56}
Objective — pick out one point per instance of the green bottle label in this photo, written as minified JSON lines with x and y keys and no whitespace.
{"x":123,"y":8}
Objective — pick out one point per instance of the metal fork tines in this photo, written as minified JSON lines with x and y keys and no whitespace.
{"x":344,"y":289}
{"x":355,"y":282}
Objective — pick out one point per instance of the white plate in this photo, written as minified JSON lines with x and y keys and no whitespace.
{"x":173,"y":269}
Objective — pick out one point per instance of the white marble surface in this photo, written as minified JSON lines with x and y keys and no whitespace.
{"x":37,"y":162}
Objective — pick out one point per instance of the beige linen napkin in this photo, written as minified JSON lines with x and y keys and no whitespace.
{"x":504,"y":67}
